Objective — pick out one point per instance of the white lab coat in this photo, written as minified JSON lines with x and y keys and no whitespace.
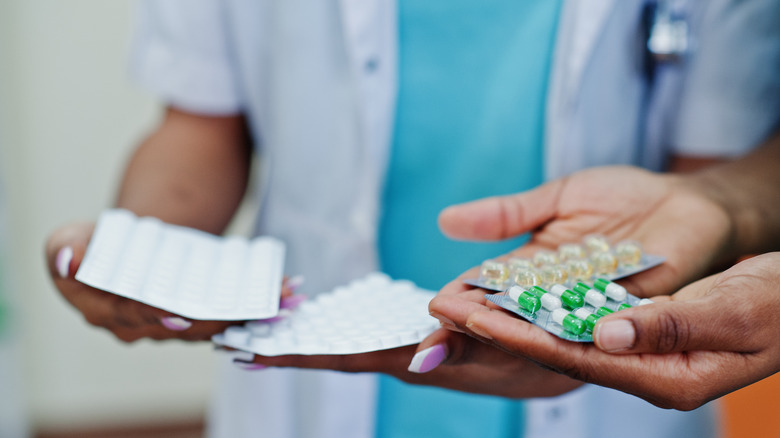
{"x":317,"y":81}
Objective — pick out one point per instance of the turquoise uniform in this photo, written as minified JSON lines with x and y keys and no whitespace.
{"x":469,"y":124}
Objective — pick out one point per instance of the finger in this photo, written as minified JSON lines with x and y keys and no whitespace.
{"x":432,"y":351}
{"x":453,"y":310}
{"x":716,"y":323}
{"x":290,"y":285}
{"x":384,"y":361}
{"x":502,"y":217}
{"x":65,"y":248}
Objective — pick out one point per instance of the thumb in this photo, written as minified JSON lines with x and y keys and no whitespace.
{"x":501,"y":217}
{"x":671,"y":326}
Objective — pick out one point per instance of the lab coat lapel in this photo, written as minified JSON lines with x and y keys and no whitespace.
{"x":580,"y":25}
{"x":588,"y":26}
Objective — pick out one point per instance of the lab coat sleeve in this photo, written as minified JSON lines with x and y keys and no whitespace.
{"x":180,"y":52}
{"x":730,"y":99}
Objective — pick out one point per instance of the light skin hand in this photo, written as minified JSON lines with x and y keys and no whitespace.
{"x":710,"y":338}
{"x":620,"y":203}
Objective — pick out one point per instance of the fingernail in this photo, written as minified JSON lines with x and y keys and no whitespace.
{"x":451,"y":327}
{"x":295,"y":282}
{"x":251,"y":367}
{"x":292,"y":302}
{"x":248,"y":365}
{"x":443,"y":319}
{"x":478,"y":330}
{"x":428,"y":359}
{"x":63,"y":261}
{"x":175,"y":323}
{"x":283,"y":314}
{"x":614,"y":336}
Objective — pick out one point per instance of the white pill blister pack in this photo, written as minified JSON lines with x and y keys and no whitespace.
{"x":184,"y":271}
{"x":373,"y":313}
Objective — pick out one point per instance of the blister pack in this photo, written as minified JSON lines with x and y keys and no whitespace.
{"x":185,"y":271}
{"x":370,"y":314}
{"x":571,"y":263}
{"x":567,"y":313}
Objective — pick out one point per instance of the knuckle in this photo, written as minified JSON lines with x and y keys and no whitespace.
{"x":671,"y":333}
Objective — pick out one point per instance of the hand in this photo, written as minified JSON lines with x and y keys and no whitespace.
{"x":665,"y":213}
{"x":127,"y":319}
{"x":710,"y":338}
{"x":461,"y":363}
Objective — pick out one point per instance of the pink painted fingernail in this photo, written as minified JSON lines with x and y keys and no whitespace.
{"x":283,"y":314}
{"x":295,"y":282}
{"x":428,"y":359}
{"x":292,"y":302}
{"x":63,"y":260}
{"x":248,"y":365}
{"x":615,"y":335}
{"x":175,"y":323}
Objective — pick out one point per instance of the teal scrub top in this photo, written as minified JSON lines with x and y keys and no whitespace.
{"x":469,"y":124}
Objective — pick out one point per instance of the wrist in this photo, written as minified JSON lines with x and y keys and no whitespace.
{"x":732,"y":196}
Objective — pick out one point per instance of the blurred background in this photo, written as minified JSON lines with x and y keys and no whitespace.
{"x":68,"y":118}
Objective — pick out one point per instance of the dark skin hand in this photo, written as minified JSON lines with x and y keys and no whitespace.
{"x":127,"y":319}
{"x":472,"y":366}
{"x":710,"y":338}
{"x":192,"y":171}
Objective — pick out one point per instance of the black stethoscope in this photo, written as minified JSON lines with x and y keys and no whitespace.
{"x":666,"y":31}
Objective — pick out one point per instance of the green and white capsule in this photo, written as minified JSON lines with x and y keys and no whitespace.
{"x":524,"y":299}
{"x":589,"y":318}
{"x":604,"y":311}
{"x":568,"y":298}
{"x":569,"y":322}
{"x":549,"y":301}
{"x":612,"y":290}
{"x":590,"y":296}
{"x":624,"y":306}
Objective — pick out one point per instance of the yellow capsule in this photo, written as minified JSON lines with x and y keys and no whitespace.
{"x":544,"y":257}
{"x":595,"y":243}
{"x":570,"y":251}
{"x":553,"y":274}
{"x":604,"y":263}
{"x":629,"y":253}
{"x":493,"y":272}
{"x":579,"y":270}
{"x":527,"y":278}
{"x":515,"y":263}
